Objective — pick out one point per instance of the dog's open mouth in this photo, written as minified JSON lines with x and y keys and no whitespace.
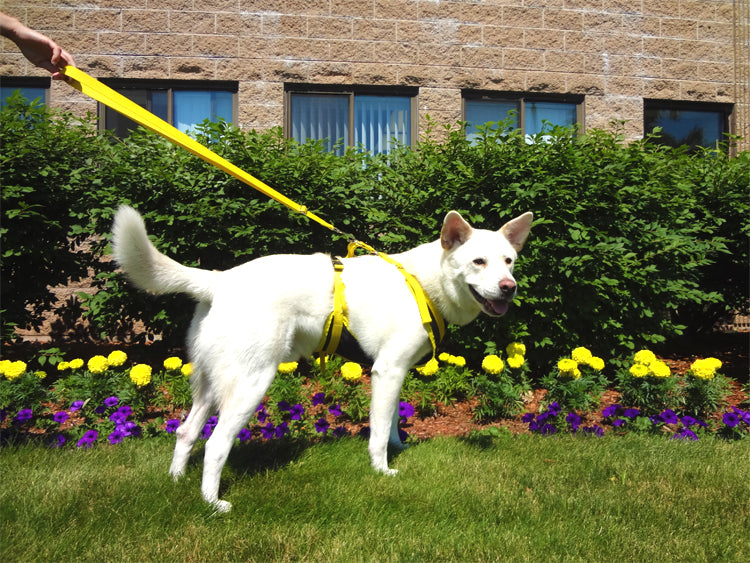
{"x":493,"y":307}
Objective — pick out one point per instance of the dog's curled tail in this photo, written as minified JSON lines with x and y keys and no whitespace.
{"x":148,"y":268}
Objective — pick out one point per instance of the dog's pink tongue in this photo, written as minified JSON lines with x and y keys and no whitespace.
{"x":500,"y":307}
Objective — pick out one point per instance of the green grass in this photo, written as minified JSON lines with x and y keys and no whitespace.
{"x":511,"y":498}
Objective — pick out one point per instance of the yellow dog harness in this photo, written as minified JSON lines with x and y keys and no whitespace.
{"x":338,"y":339}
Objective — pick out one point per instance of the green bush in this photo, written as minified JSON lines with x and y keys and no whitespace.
{"x":632,"y":244}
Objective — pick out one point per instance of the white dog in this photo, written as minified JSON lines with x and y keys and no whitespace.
{"x":273,"y":309}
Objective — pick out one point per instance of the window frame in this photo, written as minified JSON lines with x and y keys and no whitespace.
{"x":725,"y":109}
{"x":16,"y":82}
{"x":168,"y":86}
{"x":521,"y":99}
{"x":351,"y":92}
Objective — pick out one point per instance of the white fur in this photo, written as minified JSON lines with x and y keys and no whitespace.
{"x":253,"y":317}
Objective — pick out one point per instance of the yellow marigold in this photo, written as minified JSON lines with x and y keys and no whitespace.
{"x":443,"y":357}
{"x":140,"y":374}
{"x":172,"y":363}
{"x":644,"y":357}
{"x":288,"y":367}
{"x":714,"y":362}
{"x":567,"y":366}
{"x":659,"y":369}
{"x":492,"y":364}
{"x":62,"y":366}
{"x":97,"y":364}
{"x":117,"y":358}
{"x":639,"y":370}
{"x":596,"y":363}
{"x":40,"y":374}
{"x":76,"y":364}
{"x":14,"y":370}
{"x":576,"y":374}
{"x":703,"y":369}
{"x":459,"y":361}
{"x":515,"y":361}
{"x":187,"y":369}
{"x":581,"y":355}
{"x":351,"y":371}
{"x":4,"y":364}
{"x":515,"y":349}
{"x":430,"y":368}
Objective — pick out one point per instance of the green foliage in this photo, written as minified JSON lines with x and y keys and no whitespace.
{"x":632,"y":244}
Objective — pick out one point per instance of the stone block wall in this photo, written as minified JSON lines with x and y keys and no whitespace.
{"x":614,"y":52}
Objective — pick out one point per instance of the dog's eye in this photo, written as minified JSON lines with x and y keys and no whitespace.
{"x":509,"y":261}
{"x":480,"y":261}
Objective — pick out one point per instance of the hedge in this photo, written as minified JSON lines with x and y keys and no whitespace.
{"x":632,"y":245}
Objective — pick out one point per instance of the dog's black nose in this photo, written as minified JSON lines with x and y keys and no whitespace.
{"x":507,"y":287}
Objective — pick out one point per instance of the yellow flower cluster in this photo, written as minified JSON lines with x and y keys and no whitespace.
{"x":458,"y":361}
{"x":12,"y":370}
{"x":97,"y":364}
{"x":430,"y":368}
{"x":351,"y":371}
{"x":140,"y":374}
{"x":288,"y":367}
{"x":72,"y":364}
{"x":705,"y":368}
{"x":581,"y":356}
{"x":516,"y":354}
{"x":493,"y":364}
{"x":187,"y":369}
{"x":172,"y":364}
{"x":645,"y":363}
{"x":117,"y":358}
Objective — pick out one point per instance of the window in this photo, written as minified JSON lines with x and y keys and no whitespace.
{"x":371,"y":119}
{"x":694,"y":125}
{"x":529,"y":114}
{"x":29,"y":88}
{"x":184,"y":104}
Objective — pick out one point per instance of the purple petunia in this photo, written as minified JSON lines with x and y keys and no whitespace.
{"x":574,"y":420}
{"x":58,"y":442}
{"x":172,"y":425}
{"x":261,"y":413}
{"x":685,"y":434}
{"x":244,"y":435}
{"x":688,"y":421}
{"x":282,"y":430}
{"x":111,"y":402}
{"x":340,"y":432}
{"x":321,"y":426}
{"x":117,"y":436}
{"x":88,"y":439}
{"x":297,"y":411}
{"x":611,"y":410}
{"x":731,"y":419}
{"x":76,"y":405}
{"x":631,"y":413}
{"x":619,"y":422}
{"x":335,"y":410}
{"x":318,"y":399}
{"x":283,"y":406}
{"x":528,"y":417}
{"x":553,"y":408}
{"x":208,"y":429}
{"x":668,"y":416}
{"x":594,"y":430}
{"x":268,"y":431}
{"x":60,"y":417}
{"x":24,"y":415}
{"x":117,"y":417}
{"x":405,"y":410}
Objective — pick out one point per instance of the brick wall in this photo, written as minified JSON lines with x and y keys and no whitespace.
{"x":615,"y":52}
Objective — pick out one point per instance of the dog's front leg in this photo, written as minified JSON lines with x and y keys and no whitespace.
{"x":386,"y":389}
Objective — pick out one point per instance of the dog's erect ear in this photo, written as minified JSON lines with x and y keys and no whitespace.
{"x":455,"y":231}
{"x":516,"y":230}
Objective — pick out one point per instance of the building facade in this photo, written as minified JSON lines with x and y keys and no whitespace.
{"x":290,"y":63}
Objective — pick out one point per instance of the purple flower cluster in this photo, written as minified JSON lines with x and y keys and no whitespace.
{"x":550,"y":422}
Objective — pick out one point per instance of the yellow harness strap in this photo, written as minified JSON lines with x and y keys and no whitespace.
{"x":101,"y":93}
{"x":337,"y":320}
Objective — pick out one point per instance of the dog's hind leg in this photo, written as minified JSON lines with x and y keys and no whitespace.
{"x":234,"y":412}
{"x":188,"y":432}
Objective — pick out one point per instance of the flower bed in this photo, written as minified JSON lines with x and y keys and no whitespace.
{"x":109,"y":399}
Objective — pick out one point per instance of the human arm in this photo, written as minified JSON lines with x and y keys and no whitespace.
{"x":36,"y":47}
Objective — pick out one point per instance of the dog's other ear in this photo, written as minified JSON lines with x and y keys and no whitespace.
{"x":455,"y":230}
{"x":516,"y":230}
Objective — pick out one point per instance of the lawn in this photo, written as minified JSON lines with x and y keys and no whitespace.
{"x":502,"y":498}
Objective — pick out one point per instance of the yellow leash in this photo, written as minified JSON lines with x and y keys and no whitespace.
{"x":102,"y":93}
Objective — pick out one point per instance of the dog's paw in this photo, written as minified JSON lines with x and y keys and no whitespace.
{"x":221,"y":507}
{"x":390,"y":472}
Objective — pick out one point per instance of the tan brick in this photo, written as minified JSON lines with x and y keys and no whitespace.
{"x":602,"y":23}
{"x":304,"y":7}
{"x":523,"y":17}
{"x":588,"y":5}
{"x":661,"y":89}
{"x":696,"y":10}
{"x":380,"y":30}
{"x":163,"y":44}
{"x":236,"y":69}
{"x":439,"y":99}
{"x":146,"y":67}
{"x":395,"y":9}
{"x":330,"y":28}
{"x":97,"y":20}
{"x":617,"y":44}
{"x":75,"y":43}
{"x":716,"y":72}
{"x":544,"y":39}
{"x":523,"y":58}
{"x":563,"y":19}
{"x":400,"y":53}
{"x":684,"y":29}
{"x":41,"y":19}
{"x":192,"y":22}
{"x":697,"y":91}
{"x":502,"y":36}
{"x":584,"y":42}
{"x":13,"y":64}
{"x":678,"y":68}
{"x":283,"y":25}
{"x":190,"y":68}
{"x":101,"y":66}
{"x":182,"y":5}
{"x":238,"y":24}
{"x":483,"y":14}
{"x":627,"y":7}
{"x":215,"y":45}
{"x":660,"y":7}
{"x":375,"y":74}
{"x":353,"y":8}
{"x":359,"y":51}
{"x":439,"y":10}
{"x":145,"y":20}
{"x":713,"y":31}
{"x":584,"y":84}
{"x":122,"y":43}
{"x":548,"y":82}
{"x":482,"y":57}
{"x":563,"y":62}
{"x":214,"y":5}
{"x":641,"y":25}
{"x":439,"y":55}
{"x":624,"y":86}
